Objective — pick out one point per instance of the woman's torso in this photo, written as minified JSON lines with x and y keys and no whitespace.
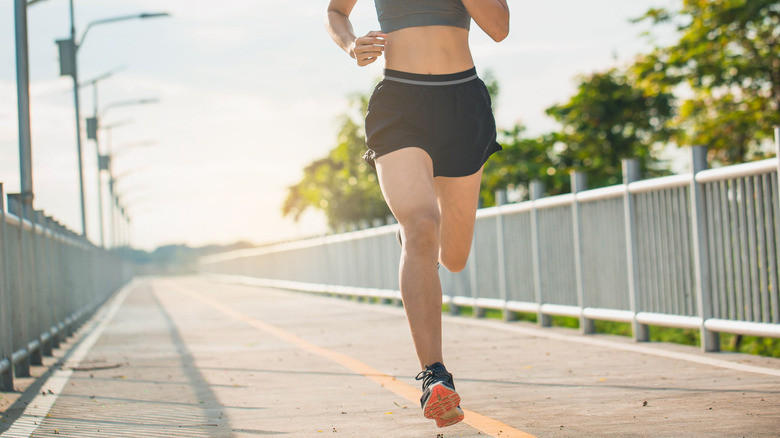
{"x":428,"y":50}
{"x":425,"y":36}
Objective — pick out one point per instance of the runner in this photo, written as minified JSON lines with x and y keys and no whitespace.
{"x":429,"y":130}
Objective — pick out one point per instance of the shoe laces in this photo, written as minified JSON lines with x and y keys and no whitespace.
{"x":434,"y":373}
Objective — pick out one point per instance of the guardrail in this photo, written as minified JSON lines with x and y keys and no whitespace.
{"x":699,"y":251}
{"x":51,"y":280}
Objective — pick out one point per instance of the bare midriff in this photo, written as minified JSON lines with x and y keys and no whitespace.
{"x":428,"y":50}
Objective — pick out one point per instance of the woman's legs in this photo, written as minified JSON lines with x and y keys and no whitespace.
{"x":437,"y":221}
{"x":458,"y":199}
{"x":406,"y":179}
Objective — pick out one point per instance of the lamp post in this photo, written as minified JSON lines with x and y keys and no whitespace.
{"x":68,"y":49}
{"x":23,"y":104}
{"x":128,"y":103}
{"x":92,"y":135}
{"x":105,"y":161}
{"x":125,"y":202}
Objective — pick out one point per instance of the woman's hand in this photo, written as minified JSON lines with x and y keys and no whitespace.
{"x":368,"y":48}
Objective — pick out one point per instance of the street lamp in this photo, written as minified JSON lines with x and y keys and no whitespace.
{"x":120,"y":103}
{"x":68,"y":49}
{"x":105,"y":162}
{"x":121,"y":18}
{"x":120,"y":222}
{"x":92,"y":135}
{"x":23,"y":105}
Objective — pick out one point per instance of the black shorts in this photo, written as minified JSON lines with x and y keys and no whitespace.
{"x":448,"y":116}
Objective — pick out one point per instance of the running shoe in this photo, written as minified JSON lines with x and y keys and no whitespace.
{"x":439,"y":400}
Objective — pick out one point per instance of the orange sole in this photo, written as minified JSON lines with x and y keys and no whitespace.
{"x":454,"y":416}
{"x":441,"y":402}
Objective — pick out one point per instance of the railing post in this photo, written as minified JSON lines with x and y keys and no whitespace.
{"x":477,"y":312}
{"x":579,"y":183}
{"x":33,"y":290}
{"x":537,"y":190}
{"x":631,"y":174}
{"x":777,"y":190}
{"x":501,"y":199}
{"x":52,"y":248}
{"x":21,"y":314}
{"x":44,"y":269}
{"x":710,"y":341}
{"x":6,"y":330}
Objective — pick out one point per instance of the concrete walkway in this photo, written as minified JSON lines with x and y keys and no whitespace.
{"x":192,"y":357}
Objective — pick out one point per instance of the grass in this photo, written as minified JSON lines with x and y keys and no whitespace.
{"x":750,"y":344}
{"x":769,"y":347}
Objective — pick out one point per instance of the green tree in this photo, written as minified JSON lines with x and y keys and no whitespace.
{"x":611,"y":118}
{"x":522,"y":160}
{"x":341,"y":185}
{"x":727,"y":62}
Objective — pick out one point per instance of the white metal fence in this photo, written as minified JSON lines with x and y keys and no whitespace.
{"x":50,"y":281}
{"x":698,"y":250}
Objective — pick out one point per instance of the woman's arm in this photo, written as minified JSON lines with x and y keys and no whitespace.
{"x":491,"y":15}
{"x":365,"y":49}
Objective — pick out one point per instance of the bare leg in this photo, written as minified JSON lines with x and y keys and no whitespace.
{"x":406,"y":179}
{"x":458,"y":198}
{"x":437,"y":222}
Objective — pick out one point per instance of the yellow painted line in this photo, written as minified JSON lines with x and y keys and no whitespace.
{"x":480,"y":422}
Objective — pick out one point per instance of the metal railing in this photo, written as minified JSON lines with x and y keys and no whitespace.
{"x":698,"y":250}
{"x":51,"y":279}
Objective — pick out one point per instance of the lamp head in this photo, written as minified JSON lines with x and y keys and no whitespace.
{"x":154,"y":15}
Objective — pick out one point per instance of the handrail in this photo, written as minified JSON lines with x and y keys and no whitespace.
{"x":737,"y":171}
{"x":51,"y":280}
{"x":655,"y":245}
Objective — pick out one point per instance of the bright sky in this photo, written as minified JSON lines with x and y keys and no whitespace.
{"x":249,"y":92}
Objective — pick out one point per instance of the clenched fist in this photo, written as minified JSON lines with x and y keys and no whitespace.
{"x":368,"y":48}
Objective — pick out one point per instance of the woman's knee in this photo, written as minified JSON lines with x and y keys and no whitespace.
{"x":421,"y":230}
{"x":453,"y":262}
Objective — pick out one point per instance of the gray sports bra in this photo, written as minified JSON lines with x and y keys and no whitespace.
{"x":399,"y":14}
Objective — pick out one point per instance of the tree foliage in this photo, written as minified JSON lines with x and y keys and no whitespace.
{"x":717,"y":86}
{"x":523,"y":160}
{"x":341,"y":185}
{"x":727,"y":61}
{"x":610,"y":118}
